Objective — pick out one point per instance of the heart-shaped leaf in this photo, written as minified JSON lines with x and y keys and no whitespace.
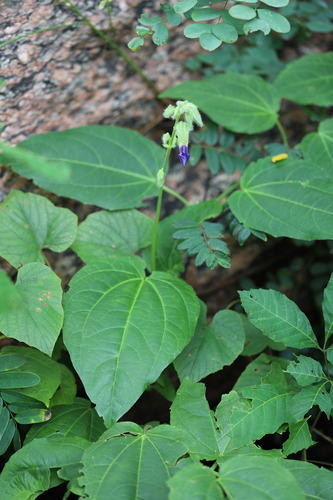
{"x":317,"y":147}
{"x":122,"y":329}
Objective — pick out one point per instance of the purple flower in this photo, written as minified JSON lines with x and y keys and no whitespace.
{"x":183,"y":155}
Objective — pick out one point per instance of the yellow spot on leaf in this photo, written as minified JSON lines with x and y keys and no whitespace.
{"x":282,"y":156}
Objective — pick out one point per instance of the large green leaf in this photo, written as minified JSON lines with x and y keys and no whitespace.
{"x":78,"y":419}
{"x":47,"y":370}
{"x":29,"y":223}
{"x":242,"y":103}
{"x":212,"y":347}
{"x":316,"y":482}
{"x":38,"y":317}
{"x":27,"y":473}
{"x":260,"y":478}
{"x":111,"y":167}
{"x":279,"y":318}
{"x":133,"y":465}
{"x":122,"y":329}
{"x":308,"y":80}
{"x":307,"y":398}
{"x":266,"y":413}
{"x":107,"y":234}
{"x":294,"y":199}
{"x":317,"y":147}
{"x":190,"y":413}
{"x":195,"y":482}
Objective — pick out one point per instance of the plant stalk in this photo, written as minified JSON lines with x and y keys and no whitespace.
{"x":283,"y":133}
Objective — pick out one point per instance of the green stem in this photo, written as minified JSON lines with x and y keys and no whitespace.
{"x":283,"y":133}
{"x":176,"y":195}
{"x":159,"y":199}
{"x":40,"y":31}
{"x":112,"y":44}
{"x":228,"y":191}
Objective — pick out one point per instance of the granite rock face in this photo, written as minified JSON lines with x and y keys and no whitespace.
{"x":69,"y":77}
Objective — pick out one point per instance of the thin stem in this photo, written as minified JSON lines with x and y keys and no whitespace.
{"x":159,"y":199}
{"x":283,"y":133}
{"x":112,"y":44}
{"x":40,"y":31}
{"x":176,"y":195}
{"x":228,"y":191}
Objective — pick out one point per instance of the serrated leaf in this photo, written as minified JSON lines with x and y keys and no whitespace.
{"x":308,"y":80}
{"x":47,"y":370}
{"x":328,"y":309}
{"x":223,"y":413}
{"x":276,"y":21}
{"x":260,"y":478}
{"x":112,"y":167}
{"x":125,"y":325}
{"x":109,"y":234}
{"x":279,"y":318}
{"x":212,"y":347}
{"x":317,"y":147}
{"x":27,"y":473}
{"x":306,"y":370}
{"x":316,"y":482}
{"x":294,"y":199}
{"x":134,"y":465}
{"x":29,"y":223}
{"x":257,"y":370}
{"x":38,"y":318}
{"x":78,"y":419}
{"x":241,"y":103}
{"x":195,"y":482}
{"x":307,"y":398}
{"x":267,"y":412}
{"x":191,"y":414}
{"x":299,"y":438}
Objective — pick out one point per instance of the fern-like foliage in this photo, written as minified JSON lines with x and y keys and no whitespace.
{"x":204,"y":241}
{"x":241,"y":233}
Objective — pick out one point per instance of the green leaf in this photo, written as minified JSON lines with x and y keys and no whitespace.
{"x":308,"y":80}
{"x":307,"y":398}
{"x":205,"y":14}
{"x":212,"y":347}
{"x":195,"y":30}
{"x":195,"y":482}
{"x":306,"y":370}
{"x":109,"y":234}
{"x":112,"y":167}
{"x":256,"y":341}
{"x":191,"y":414}
{"x":316,"y":482}
{"x":129,"y":328}
{"x":33,"y":416}
{"x":276,"y":3}
{"x":184,"y":6}
{"x":257,"y":25}
{"x":266,"y":413}
{"x":279,"y":318}
{"x":328,"y":309}
{"x":161,"y":34}
{"x":47,"y":370}
{"x":257,"y":370}
{"x":78,"y":419}
{"x":38,"y":318}
{"x":135,"y":464}
{"x":66,"y":391}
{"x":10,"y":361}
{"x":29,"y":223}
{"x":149,"y":21}
{"x":13,"y":380}
{"x":136,"y":43}
{"x":208,"y":41}
{"x":8,"y":294}
{"x":54,"y":171}
{"x":317,"y":147}
{"x":241,"y":103}
{"x":236,"y":23}
{"x":259,"y":478}
{"x":27,"y":473}
{"x":299,"y":438}
{"x":225,"y":32}
{"x":294,"y":199}
{"x":174,"y":18}
{"x":242,"y":12}
{"x":7,"y":428}
{"x":276,"y":21}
